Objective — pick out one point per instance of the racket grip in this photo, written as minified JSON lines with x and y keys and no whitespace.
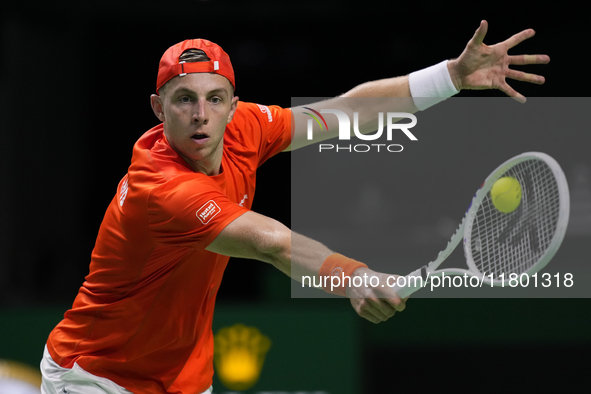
{"x":409,"y":284}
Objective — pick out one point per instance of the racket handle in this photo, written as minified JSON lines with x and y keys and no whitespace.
{"x":412,"y":283}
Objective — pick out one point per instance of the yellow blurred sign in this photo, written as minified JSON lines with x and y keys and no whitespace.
{"x":239,"y":355}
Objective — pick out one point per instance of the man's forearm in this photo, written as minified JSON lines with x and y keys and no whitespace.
{"x":389,"y":87}
{"x":304,"y":258}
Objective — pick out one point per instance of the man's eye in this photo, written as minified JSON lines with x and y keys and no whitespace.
{"x":185,"y":99}
{"x":216,"y":100}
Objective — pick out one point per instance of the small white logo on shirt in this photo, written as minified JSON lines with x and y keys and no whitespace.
{"x":123,"y":192}
{"x":243,"y":199}
{"x":208,"y":211}
{"x":264,"y":109}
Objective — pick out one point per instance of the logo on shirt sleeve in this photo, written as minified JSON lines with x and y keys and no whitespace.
{"x":264,"y":109}
{"x":243,"y":200}
{"x":123,"y":191}
{"x":208,"y":211}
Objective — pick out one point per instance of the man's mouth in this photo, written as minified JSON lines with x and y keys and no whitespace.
{"x":199,"y":136}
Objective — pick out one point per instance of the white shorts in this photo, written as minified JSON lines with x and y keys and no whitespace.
{"x":59,"y":380}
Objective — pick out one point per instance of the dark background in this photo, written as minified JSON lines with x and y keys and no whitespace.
{"x":76,"y":79}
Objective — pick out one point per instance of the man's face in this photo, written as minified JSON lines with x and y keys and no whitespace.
{"x":195,"y":110}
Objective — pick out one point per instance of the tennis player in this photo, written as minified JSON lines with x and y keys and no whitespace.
{"x":141,"y":321}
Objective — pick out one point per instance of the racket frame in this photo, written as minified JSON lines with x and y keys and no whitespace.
{"x":411,"y":283}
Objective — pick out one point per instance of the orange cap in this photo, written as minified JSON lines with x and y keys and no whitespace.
{"x":170,"y":67}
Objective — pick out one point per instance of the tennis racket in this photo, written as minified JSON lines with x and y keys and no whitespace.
{"x":497,"y":243}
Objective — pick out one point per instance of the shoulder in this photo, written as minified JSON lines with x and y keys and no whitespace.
{"x":261,"y":114}
{"x":254,"y":125}
{"x":182,"y":196}
{"x":190,"y":211}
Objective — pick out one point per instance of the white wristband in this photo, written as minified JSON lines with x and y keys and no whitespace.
{"x":431,"y":85}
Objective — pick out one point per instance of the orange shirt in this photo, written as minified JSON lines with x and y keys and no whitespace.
{"x":143,"y":316}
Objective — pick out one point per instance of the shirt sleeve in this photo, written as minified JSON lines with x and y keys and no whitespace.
{"x":270,"y":128}
{"x":190,"y":212}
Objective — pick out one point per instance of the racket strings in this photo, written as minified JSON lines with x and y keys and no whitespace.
{"x":504,"y":243}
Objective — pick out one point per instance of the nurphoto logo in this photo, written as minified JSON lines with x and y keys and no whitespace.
{"x":345,"y":130}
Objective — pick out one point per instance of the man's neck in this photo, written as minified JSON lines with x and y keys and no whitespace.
{"x":209,"y":166}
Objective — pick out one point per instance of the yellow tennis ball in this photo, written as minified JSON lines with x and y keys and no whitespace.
{"x":506,"y":194}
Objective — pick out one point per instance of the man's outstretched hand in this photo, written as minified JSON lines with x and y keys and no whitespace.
{"x":487,"y":67}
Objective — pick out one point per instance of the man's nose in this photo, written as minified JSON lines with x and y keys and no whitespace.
{"x":200,"y":112}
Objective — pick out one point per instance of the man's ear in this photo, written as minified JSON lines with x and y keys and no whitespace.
{"x":233,"y":108}
{"x":156,"y":102}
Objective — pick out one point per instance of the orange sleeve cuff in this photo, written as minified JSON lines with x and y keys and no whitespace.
{"x":341,"y":268}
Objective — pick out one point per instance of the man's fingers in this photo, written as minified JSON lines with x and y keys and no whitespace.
{"x":529,"y":59}
{"x":396,"y":303}
{"x":519,"y":37}
{"x":509,"y":91}
{"x":381,"y":310}
{"x":385,"y":307}
{"x":368,"y":311}
{"x":525,"y":77}
{"x":376,"y":303}
{"x":374,"y":309}
{"x":367,"y":315}
{"x":480,"y":33}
